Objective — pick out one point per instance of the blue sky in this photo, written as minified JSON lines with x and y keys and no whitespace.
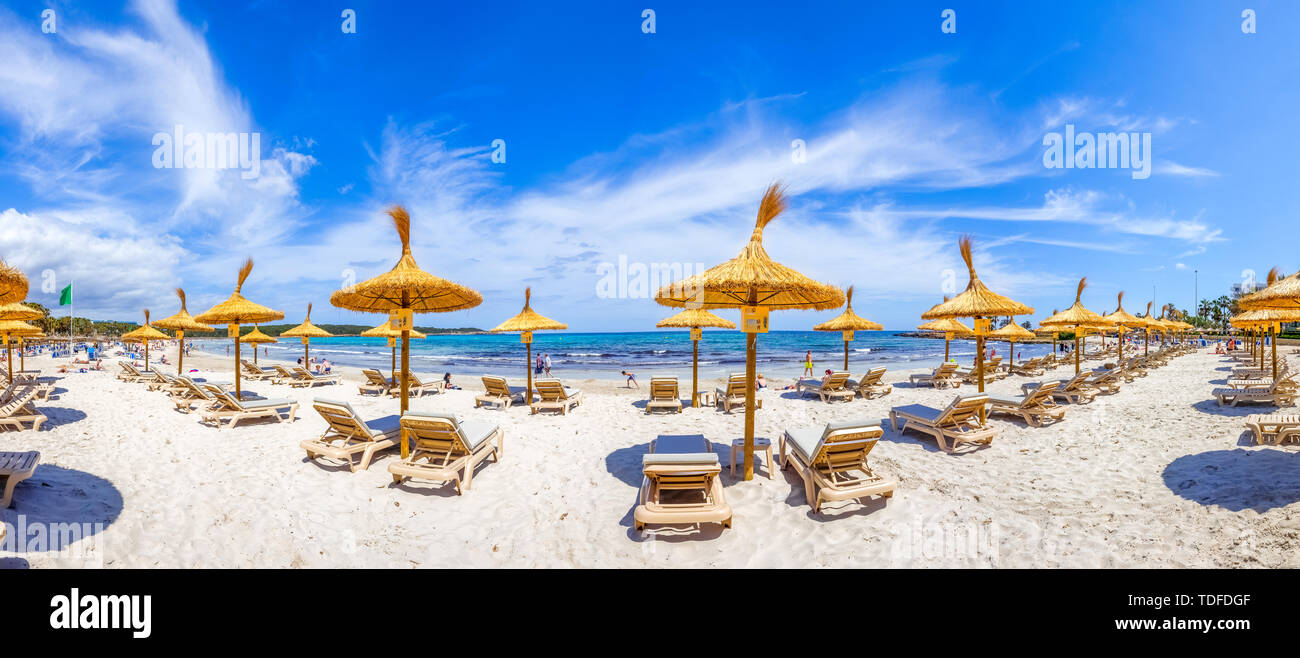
{"x":650,"y":148}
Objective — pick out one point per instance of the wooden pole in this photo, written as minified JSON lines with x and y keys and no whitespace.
{"x":146,"y":355}
{"x":1076,"y":350}
{"x":751,"y":355}
{"x":22,"y":358}
{"x":947,"y":336}
{"x":528,"y":394}
{"x":180,"y":356}
{"x":846,"y":355}
{"x":9,"y":358}
{"x":238,"y":395}
{"x":1272,"y":329}
{"x":695,"y":373}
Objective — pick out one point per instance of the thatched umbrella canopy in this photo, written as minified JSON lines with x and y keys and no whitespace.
{"x":848,"y":322}
{"x":1281,"y":293}
{"x":1122,"y":320}
{"x":695,"y":319}
{"x":306,"y":331}
{"x":1011,"y":333}
{"x":756,"y":284}
{"x":19,"y":311}
{"x":13,"y":284}
{"x":977,"y":302}
{"x":255,"y":338}
{"x":237,"y":310}
{"x":526,"y":322}
{"x":23,"y":340}
{"x":144,"y":334}
{"x":10,"y":329}
{"x":1270,"y":318}
{"x":1078,"y":319}
{"x":403,"y":291}
{"x":949,"y":327}
{"x":386,"y":330}
{"x":182,"y":322}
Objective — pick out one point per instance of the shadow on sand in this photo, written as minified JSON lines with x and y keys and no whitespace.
{"x":1237,"y":480}
{"x":55,"y":509}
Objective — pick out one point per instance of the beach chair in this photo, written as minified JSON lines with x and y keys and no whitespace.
{"x":414,"y":387}
{"x":832,"y":461}
{"x":1281,"y":393}
{"x":347,"y":435}
{"x":1075,"y":390}
{"x":1031,"y":368}
{"x":834,"y":387}
{"x":14,"y":468}
{"x":376,"y":383}
{"x":941,"y":377}
{"x":131,"y":374}
{"x":733,"y":394}
{"x":284,"y":375}
{"x":253,"y":372}
{"x":1034,"y":407}
{"x":555,"y":397}
{"x":955,"y":424}
{"x":497,"y":393}
{"x":680,"y":484}
{"x":1106,"y":381}
{"x":870,"y":385}
{"x":19,"y":409}
{"x":307,"y":380}
{"x":227,"y":408}
{"x":187,"y":394}
{"x":445,"y":449}
{"x":664,"y":394}
{"x":1273,"y":428}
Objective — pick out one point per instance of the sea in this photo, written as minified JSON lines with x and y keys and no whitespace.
{"x":645,"y":353}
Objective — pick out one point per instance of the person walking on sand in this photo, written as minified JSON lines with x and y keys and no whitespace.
{"x":631,"y":379}
{"x":546,"y":364}
{"x":807,"y":365}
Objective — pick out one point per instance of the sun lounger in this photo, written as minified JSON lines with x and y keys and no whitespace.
{"x":870,"y":385}
{"x":346,"y":435}
{"x":834,"y":387}
{"x":497,"y":393}
{"x":1033,"y":407}
{"x":187,"y":394}
{"x":227,"y":408}
{"x":254,"y":372}
{"x":664,"y":394}
{"x":941,"y":377}
{"x":1281,"y":393}
{"x":1106,"y":381}
{"x":131,"y":374}
{"x":832,"y":461}
{"x":1273,"y":428}
{"x":20,"y":409}
{"x":307,"y":380}
{"x":555,"y":397}
{"x":284,"y":375}
{"x":680,"y":484}
{"x":957,"y":423}
{"x":733,"y":394}
{"x":1076,"y":390}
{"x":415,"y":387}
{"x":376,"y":382}
{"x":1031,"y":368}
{"x":445,"y":449}
{"x":14,"y":468}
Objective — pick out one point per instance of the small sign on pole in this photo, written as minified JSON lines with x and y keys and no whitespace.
{"x":526,"y":338}
{"x":848,"y":335}
{"x":696,"y":333}
{"x":401,"y":319}
{"x":753,"y":319}
{"x":232,"y":331}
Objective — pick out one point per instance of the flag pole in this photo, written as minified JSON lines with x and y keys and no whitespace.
{"x":72,"y":307}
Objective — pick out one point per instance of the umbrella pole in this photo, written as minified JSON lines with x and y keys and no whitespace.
{"x":1121,"y":344}
{"x":394,"y":372}
{"x":945,"y":349}
{"x":1076,"y":350}
{"x":751,"y":349}
{"x":254,"y":353}
{"x":846,"y":355}
{"x":180,"y":359}
{"x":528,"y":394}
{"x":238,"y":395}
{"x":9,"y":359}
{"x":406,"y":366}
{"x":695,"y":373}
{"x":146,"y":355}
{"x":1272,"y":330}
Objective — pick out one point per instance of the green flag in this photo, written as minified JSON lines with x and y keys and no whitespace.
{"x":65,"y":297}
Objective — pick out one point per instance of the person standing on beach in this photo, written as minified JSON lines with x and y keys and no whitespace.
{"x":807,"y":365}
{"x":546,"y":364}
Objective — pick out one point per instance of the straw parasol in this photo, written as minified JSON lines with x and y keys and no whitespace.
{"x":237,"y":310}
{"x":1122,"y":320}
{"x":695,"y":319}
{"x":255,"y":338}
{"x":22,"y":349}
{"x":949,"y":327}
{"x":13,"y":284}
{"x":13,"y":329}
{"x":403,"y":291}
{"x":144,"y":334}
{"x":977,"y":302}
{"x":848,"y":322}
{"x":526,"y":323}
{"x":182,"y":322}
{"x":1078,"y":319}
{"x":1281,"y":293}
{"x":386,"y":330}
{"x":755,"y":284}
{"x":306,"y":331}
{"x":1012,"y":333}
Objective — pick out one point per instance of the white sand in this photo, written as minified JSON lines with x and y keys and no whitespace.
{"x":1155,"y":476}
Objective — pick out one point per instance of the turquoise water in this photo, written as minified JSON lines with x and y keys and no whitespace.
{"x":604,"y":355}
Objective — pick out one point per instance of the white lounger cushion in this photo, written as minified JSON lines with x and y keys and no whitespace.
{"x":473,"y":433}
{"x":806,"y":441}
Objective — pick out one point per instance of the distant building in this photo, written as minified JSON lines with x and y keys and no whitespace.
{"x":1239,"y":289}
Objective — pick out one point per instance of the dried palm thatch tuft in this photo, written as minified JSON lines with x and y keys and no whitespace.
{"x":753,"y":278}
{"x":1122,"y":318}
{"x":13,"y":284}
{"x":977,"y":301}
{"x":307,"y":329}
{"x":19,"y":311}
{"x":405,"y":286}
{"x":145,"y":332}
{"x":385,"y":330}
{"x":1076,"y":316}
{"x":695,"y":318}
{"x":848,"y":320}
{"x":256,"y":337}
{"x":182,"y":320}
{"x":238,"y":310}
{"x":528,"y":319}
